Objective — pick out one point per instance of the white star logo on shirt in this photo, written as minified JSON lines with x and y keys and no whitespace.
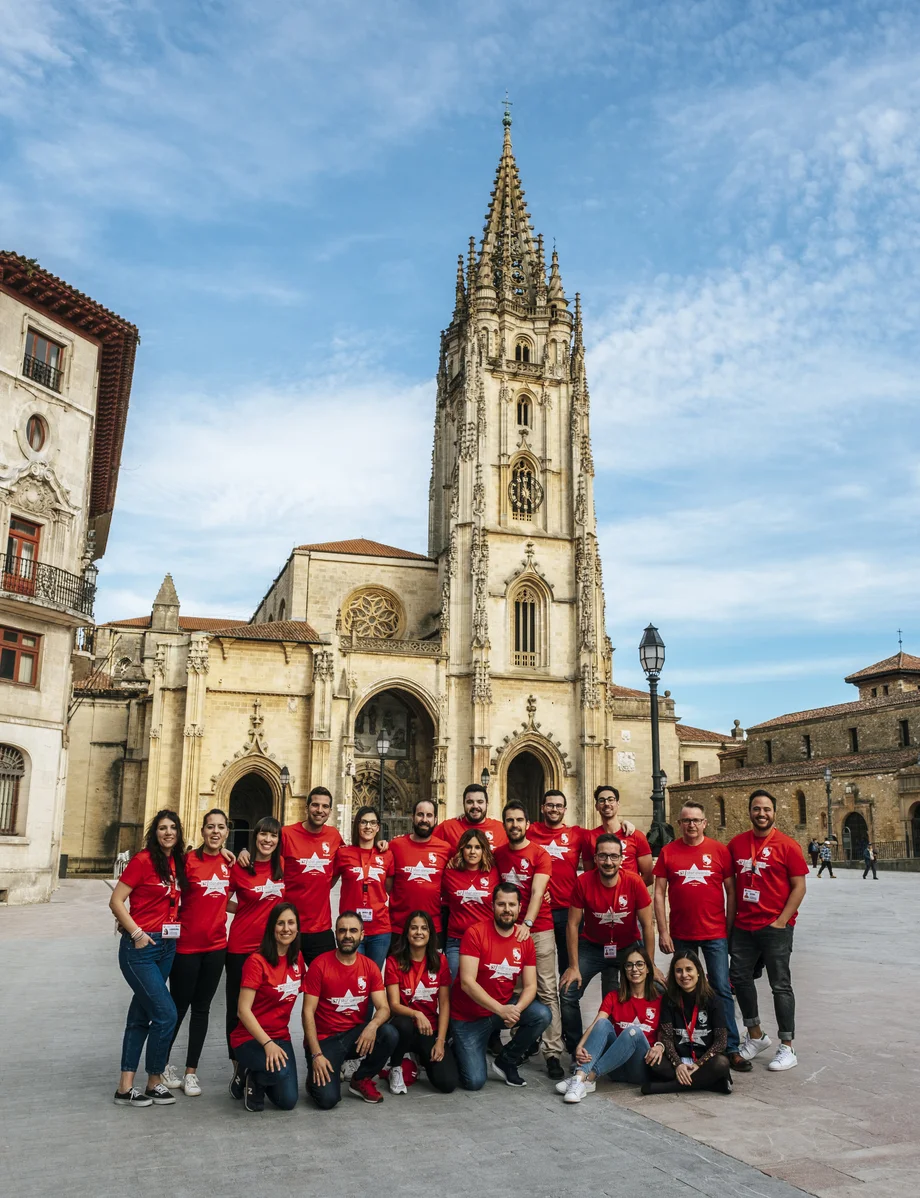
{"x":314,"y":864}
{"x":745,"y":865}
{"x":503,"y":970}
{"x":214,"y":885}
{"x":515,"y":878}
{"x":610,"y":916}
{"x":424,"y":993}
{"x":289,"y":988}
{"x":694,"y":876}
{"x":271,"y":889}
{"x":374,"y":872}
{"x":471,"y":895}
{"x":348,"y":1002}
{"x":419,"y":872}
{"x":557,"y":850}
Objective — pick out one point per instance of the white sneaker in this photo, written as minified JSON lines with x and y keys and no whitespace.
{"x":350,"y":1068}
{"x":576,"y":1091}
{"x":191,"y":1085}
{"x":785,"y":1059}
{"x":397,"y":1082}
{"x":172,"y":1078}
{"x":564,"y":1086}
{"x":751,"y":1048}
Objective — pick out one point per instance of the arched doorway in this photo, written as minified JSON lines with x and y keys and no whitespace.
{"x":525,"y":783}
{"x":855,"y":836}
{"x":250,"y":799}
{"x":913,"y":847}
{"x":407,"y":765}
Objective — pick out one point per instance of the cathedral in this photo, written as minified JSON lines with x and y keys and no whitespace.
{"x":487,"y":658}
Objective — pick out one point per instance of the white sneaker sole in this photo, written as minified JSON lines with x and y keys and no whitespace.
{"x":758,"y":1047}
{"x":774,"y":1068}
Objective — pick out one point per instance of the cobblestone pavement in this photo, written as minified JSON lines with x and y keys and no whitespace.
{"x":843,"y":1123}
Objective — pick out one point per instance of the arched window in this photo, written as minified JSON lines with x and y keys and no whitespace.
{"x":523,"y":411}
{"x":721,"y":803}
{"x":281,"y":610}
{"x":524,"y":491}
{"x":12,"y":768}
{"x":802,"y":808}
{"x":271,"y":617}
{"x":522,"y":352}
{"x":526,"y":615}
{"x":552,"y":311}
{"x":374,"y":612}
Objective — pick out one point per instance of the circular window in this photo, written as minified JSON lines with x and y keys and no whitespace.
{"x":373,"y":613}
{"x":36,"y":432}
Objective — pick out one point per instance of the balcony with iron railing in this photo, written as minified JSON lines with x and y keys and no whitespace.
{"x":36,"y":581}
{"x":42,"y":372}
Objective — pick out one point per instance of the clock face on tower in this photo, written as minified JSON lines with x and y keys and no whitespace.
{"x":525,"y":493}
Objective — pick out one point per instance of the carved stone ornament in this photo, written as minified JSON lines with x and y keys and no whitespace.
{"x":452,"y":554}
{"x":626,"y":762}
{"x":194,"y":730}
{"x":467,"y":441}
{"x":482,"y":682}
{"x":590,"y":695}
{"x":159,"y":661}
{"x":479,"y":568}
{"x":323,"y":665}
{"x":373,"y":613}
{"x":36,"y":488}
{"x":479,"y":494}
{"x":198,"y":657}
{"x":581,"y":505}
{"x":455,"y":490}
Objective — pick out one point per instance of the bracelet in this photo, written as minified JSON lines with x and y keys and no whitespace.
{"x":265,"y":1043}
{"x":138,"y":932}
{"x":315,"y":1055}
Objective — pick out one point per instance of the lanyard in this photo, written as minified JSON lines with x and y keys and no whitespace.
{"x":613,"y":899}
{"x":755,"y":852}
{"x":691,"y":1027}
{"x":365,"y":869}
{"x":173,"y":891}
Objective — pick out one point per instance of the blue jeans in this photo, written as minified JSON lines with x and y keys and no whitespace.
{"x":376,"y":947}
{"x":340,"y":1048}
{"x":152,"y":1013}
{"x":452,"y":953}
{"x":622,"y":1056}
{"x":280,"y":1085}
{"x":472,"y":1036}
{"x":715,"y":955}
{"x":591,"y":962}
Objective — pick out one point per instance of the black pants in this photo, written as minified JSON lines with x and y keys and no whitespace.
{"x":826,"y":865}
{"x":337,"y":1050}
{"x":773,"y":946}
{"x":560,"y":923}
{"x":441,"y":1074}
{"x":869,"y":865}
{"x":312,"y":944}
{"x":716,"y":1069}
{"x":234,"y":966}
{"x":193,"y":982}
{"x":814,"y":860}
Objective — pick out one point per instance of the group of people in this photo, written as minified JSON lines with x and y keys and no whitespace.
{"x":823,"y":851}
{"x":456,"y":943}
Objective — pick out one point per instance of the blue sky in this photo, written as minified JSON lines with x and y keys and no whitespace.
{"x":276,"y":194}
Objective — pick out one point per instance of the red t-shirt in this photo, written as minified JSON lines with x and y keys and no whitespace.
{"x":520,"y":867}
{"x":417,"y":872}
{"x":610,"y":912}
{"x":468,"y":896}
{"x":696,"y":896}
{"x":204,"y":904}
{"x":344,"y":992}
{"x":256,"y":894}
{"x":276,"y":987}
{"x":418,"y":986}
{"x":452,"y":829}
{"x":643,"y":1013}
{"x":364,"y":873}
{"x":501,"y":960}
{"x":635,"y":845}
{"x":151,"y":902}
{"x":564,"y":846}
{"x":763,"y":867}
{"x":308,"y":859}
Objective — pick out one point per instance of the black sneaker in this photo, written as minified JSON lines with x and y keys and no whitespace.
{"x":723,"y":1085}
{"x":495,"y":1046}
{"x":253,"y":1096}
{"x":508,"y":1072}
{"x":132,"y":1097}
{"x":554,"y":1069}
{"x":160,"y":1095}
{"x":533,"y":1050}
{"x":236,"y":1082}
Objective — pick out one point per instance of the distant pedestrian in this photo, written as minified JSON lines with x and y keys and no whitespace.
{"x":870,"y":857}
{"x":825,"y":853}
{"x":814,"y":848}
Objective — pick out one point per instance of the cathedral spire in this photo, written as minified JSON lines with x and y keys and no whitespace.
{"x":556,"y":292}
{"x":460,"y":302}
{"x":508,"y":245}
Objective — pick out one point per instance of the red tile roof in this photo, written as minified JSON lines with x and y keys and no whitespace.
{"x":900,"y":663}
{"x":365,"y":548}
{"x":899,"y":699}
{"x":298,"y":631}
{"x":626,"y":692}
{"x":888,"y":761}
{"x":686,"y":732}
{"x":186,"y":623}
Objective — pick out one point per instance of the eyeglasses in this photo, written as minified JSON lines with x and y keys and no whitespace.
{"x":693,"y":821}
{"x":369,"y":823}
{"x":635,"y":965}
{"x":608,"y":856}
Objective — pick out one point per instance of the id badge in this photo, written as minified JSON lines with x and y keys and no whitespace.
{"x":172,"y":931}
{"x":610,"y":952}
{"x":750,"y":896}
{"x":366,"y":914}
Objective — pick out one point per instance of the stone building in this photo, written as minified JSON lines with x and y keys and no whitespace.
{"x":487,"y":653}
{"x":871,"y":746}
{"x":66,"y":365}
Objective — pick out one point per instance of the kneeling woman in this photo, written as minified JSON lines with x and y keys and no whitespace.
{"x":621,"y":1040}
{"x":693,"y":1033}
{"x":272,"y":979}
{"x":417,"y":979}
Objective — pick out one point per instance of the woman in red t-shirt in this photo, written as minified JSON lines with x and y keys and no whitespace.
{"x":622,"y":1041}
{"x":201,"y":948}
{"x":254,"y":888}
{"x":418,"y":990}
{"x":364,"y":870}
{"x":466,"y":889}
{"x":272,"y":979}
{"x":145,"y":902}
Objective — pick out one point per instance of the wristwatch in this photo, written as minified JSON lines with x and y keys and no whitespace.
{"x":528,"y":923}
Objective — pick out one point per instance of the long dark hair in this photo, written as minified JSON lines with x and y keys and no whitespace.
{"x":649,"y":990}
{"x":267,"y":823}
{"x":703,"y":993}
{"x":401,"y":952}
{"x":199,"y":852}
{"x":488,"y":862}
{"x":158,"y":857}
{"x":269,"y":946}
{"x":355,"y":837}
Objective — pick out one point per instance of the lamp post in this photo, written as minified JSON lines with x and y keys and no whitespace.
{"x":827,"y":787}
{"x":285,"y":782}
{"x":484,"y":779}
{"x":651,"y":657}
{"x":383,"y":747}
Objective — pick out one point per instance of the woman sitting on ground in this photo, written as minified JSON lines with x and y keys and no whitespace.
{"x":466,"y":887}
{"x":621,"y":1040}
{"x":693,"y":1033}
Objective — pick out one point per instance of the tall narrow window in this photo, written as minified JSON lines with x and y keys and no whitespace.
{"x":522,"y":352}
{"x":523,"y":411}
{"x":12,"y":768}
{"x":43,"y":361}
{"x":802,"y":807}
{"x":904,"y":733}
{"x":526,"y":628}
{"x":21,"y":559}
{"x":853,"y":734}
{"x":768,"y":749}
{"x":806,"y":746}
{"x":721,"y":803}
{"x":281,"y":610}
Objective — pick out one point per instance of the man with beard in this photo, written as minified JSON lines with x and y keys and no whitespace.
{"x":492,"y":960}
{"x":637,"y":855}
{"x":529,"y":867}
{"x":339,"y":990}
{"x":770,"y":872}
{"x":564,"y":843}
{"x":419,"y":860}
{"x":475,"y":807}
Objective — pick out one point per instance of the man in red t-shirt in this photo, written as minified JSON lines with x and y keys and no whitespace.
{"x":308,"y":850}
{"x":339,"y":990}
{"x":493,"y":960}
{"x":418,"y":860}
{"x":609,"y":907}
{"x":695,"y":876}
{"x":637,"y":855}
{"x":770,"y":874}
{"x":529,"y":867}
{"x":475,"y":807}
{"x":564,"y":843}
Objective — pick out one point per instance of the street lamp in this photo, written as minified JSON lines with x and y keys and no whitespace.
{"x":285,"y":782}
{"x":651,"y":657}
{"x":827,"y":787}
{"x":484,"y":779}
{"x":383,"y":747}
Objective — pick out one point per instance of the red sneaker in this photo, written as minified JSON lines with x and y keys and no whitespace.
{"x":364,"y":1088}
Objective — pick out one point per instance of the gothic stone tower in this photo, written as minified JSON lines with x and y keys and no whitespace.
{"x":511,"y":518}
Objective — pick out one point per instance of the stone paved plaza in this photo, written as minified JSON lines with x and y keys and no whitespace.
{"x":843,"y":1123}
